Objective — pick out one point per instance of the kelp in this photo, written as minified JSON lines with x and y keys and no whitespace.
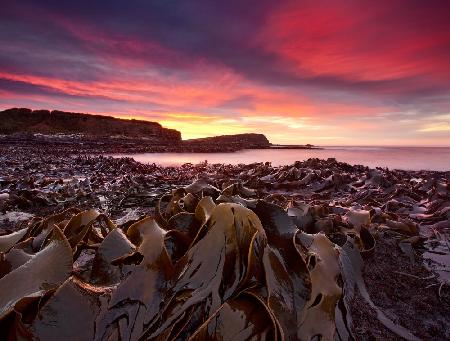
{"x":322,"y":260}
{"x":288,"y":282}
{"x":113,"y":246}
{"x":209,"y":265}
{"x":8,"y":241}
{"x":137,"y":299}
{"x":242,"y":318}
{"x":69,"y":314}
{"x":203,"y":283}
{"x":44,"y":271}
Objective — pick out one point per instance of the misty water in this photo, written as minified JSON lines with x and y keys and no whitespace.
{"x":408,"y":158}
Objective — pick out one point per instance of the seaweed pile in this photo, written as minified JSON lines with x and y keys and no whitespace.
{"x":210,"y":263}
{"x":50,"y":183}
{"x":246,"y":250}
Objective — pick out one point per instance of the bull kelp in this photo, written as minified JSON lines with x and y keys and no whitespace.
{"x":210,"y":264}
{"x":111,"y":249}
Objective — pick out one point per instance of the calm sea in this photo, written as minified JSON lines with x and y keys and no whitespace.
{"x":409,"y":158}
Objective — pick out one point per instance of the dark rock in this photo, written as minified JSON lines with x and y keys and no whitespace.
{"x":22,"y":120}
{"x":238,"y":141}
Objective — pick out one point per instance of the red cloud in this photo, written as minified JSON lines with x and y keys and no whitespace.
{"x":362,"y":40}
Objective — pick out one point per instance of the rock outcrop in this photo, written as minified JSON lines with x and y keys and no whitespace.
{"x":22,"y":120}
{"x":237,"y":142}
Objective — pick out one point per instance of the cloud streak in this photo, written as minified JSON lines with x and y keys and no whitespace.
{"x":298,"y":71}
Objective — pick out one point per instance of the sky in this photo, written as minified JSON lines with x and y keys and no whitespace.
{"x":341,"y":72}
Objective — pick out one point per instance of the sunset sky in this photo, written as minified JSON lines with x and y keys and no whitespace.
{"x":321,"y":72}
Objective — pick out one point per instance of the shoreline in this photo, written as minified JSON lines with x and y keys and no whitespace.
{"x":400,"y":205}
{"x":392,"y":158}
{"x":122,"y":145}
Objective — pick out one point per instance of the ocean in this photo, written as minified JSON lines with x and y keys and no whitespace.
{"x":407,"y":158}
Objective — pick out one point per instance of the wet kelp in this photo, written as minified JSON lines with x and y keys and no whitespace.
{"x":211,"y":264}
{"x":396,"y":220}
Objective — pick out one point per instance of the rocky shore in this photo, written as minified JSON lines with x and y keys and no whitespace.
{"x":363,"y":251}
{"x":76,"y":143}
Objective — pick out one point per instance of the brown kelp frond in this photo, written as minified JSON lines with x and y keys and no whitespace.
{"x":323,"y":264}
{"x":9,"y":240}
{"x":209,"y":264}
{"x":44,"y":271}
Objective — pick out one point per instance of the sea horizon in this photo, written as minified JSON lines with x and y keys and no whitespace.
{"x":404,"y":158}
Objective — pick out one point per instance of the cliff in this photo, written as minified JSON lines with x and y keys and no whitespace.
{"x":22,"y":120}
{"x":74,"y":132}
{"x":236,"y":142}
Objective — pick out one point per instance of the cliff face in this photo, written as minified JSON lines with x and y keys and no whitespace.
{"x":22,"y":120}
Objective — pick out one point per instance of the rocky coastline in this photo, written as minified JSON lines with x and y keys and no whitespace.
{"x":96,"y":134}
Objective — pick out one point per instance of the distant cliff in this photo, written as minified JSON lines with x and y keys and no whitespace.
{"x":22,"y":120}
{"x":238,"y":141}
{"x":74,"y":132}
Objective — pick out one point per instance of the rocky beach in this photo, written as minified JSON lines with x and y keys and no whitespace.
{"x":314,"y":249}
